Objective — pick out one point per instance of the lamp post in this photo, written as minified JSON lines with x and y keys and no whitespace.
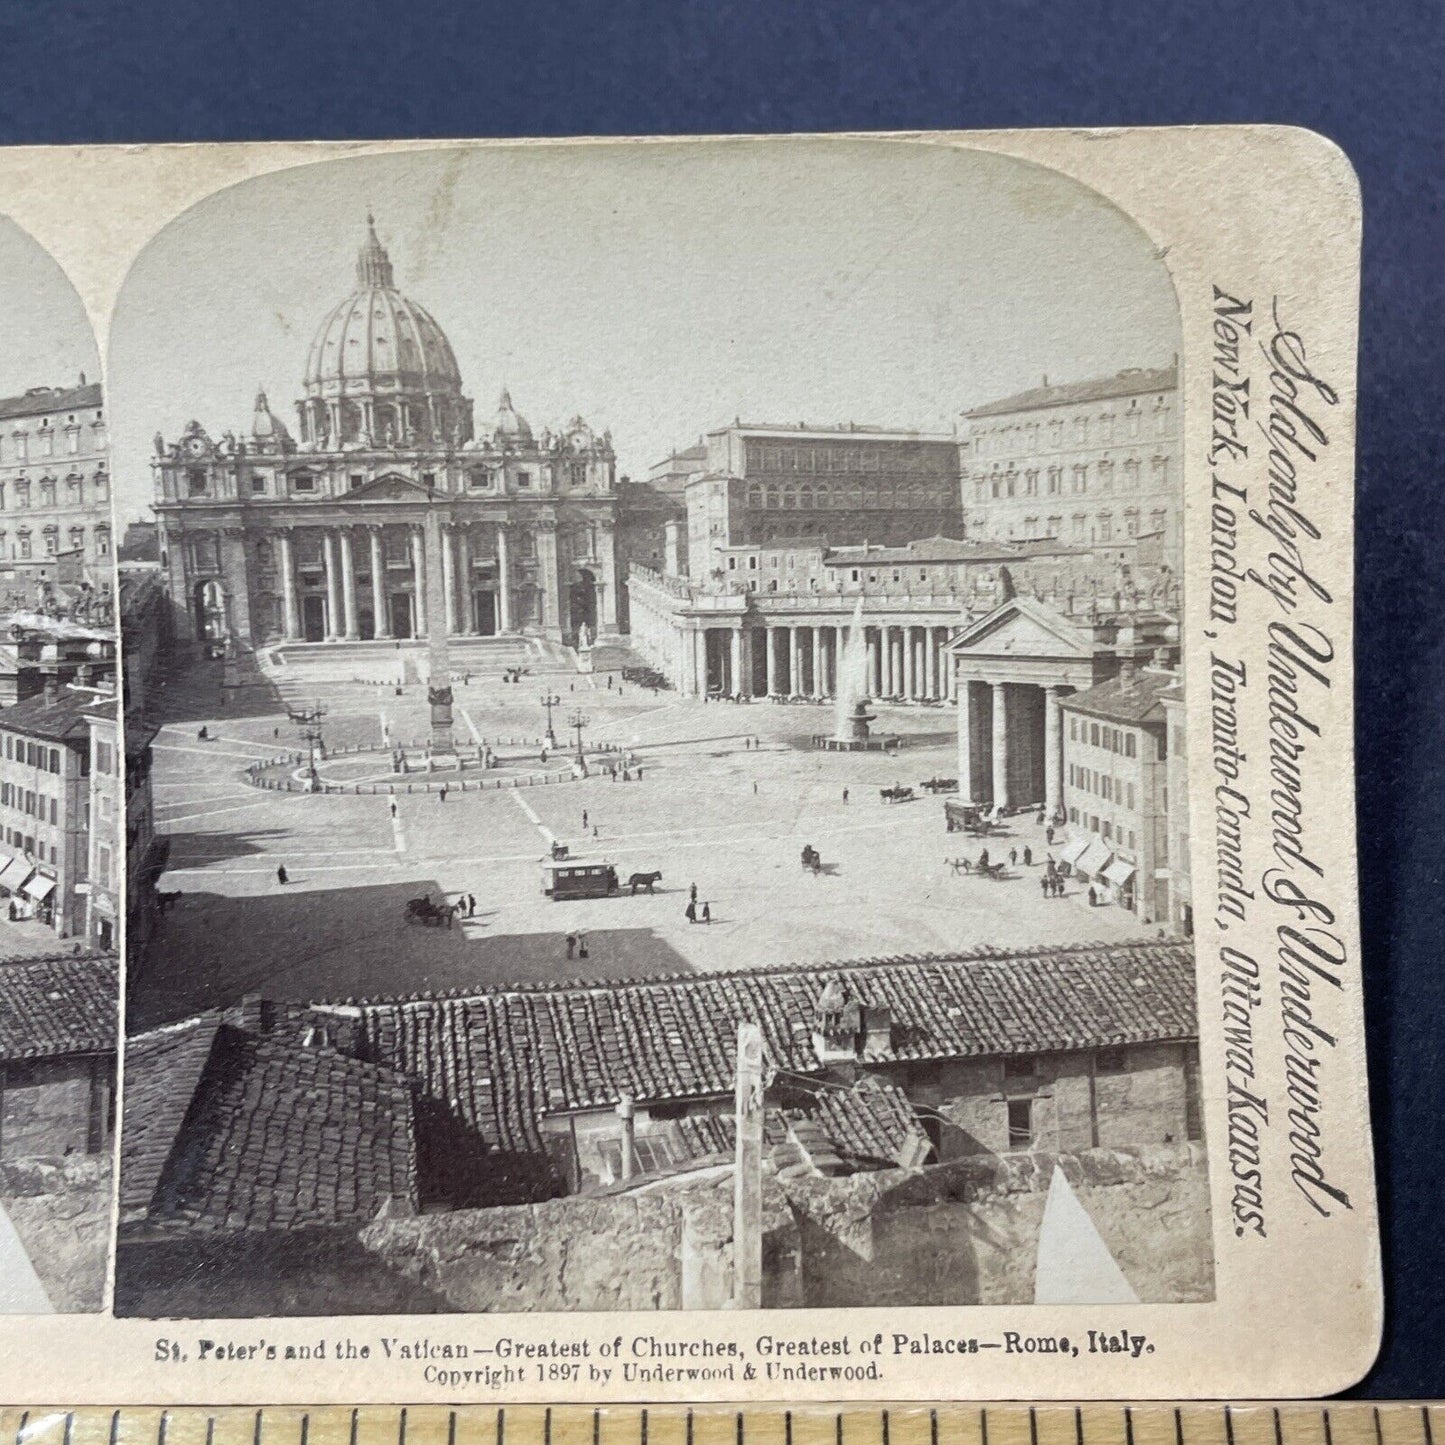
{"x":550,"y":700}
{"x":312,"y":737}
{"x":578,"y":721}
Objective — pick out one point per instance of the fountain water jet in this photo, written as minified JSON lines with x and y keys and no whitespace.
{"x":851,"y":716}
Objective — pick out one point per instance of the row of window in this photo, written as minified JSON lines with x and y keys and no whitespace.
{"x":46,"y":492}
{"x":825,"y":458}
{"x":32,"y":754}
{"x":914,"y":496}
{"x":25,"y":843}
{"x":1001,"y":485}
{"x":18,"y":443}
{"x":1103,"y":828}
{"x":1110,"y":789}
{"x":1082,"y":527}
{"x":1083,"y":431}
{"x":25,"y":800}
{"x":1101,"y":735}
{"x":24,"y":543}
{"x":479,"y":479}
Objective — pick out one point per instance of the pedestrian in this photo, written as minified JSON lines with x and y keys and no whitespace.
{"x":692,"y":893}
{"x":1044,"y":881}
{"x":281,"y":877}
{"x":442,"y":796}
{"x":639,"y":775}
{"x":201,"y":735}
{"x":1039,"y":821}
{"x":1028,"y":856}
{"x":581,"y":945}
{"x":594,"y":830}
{"x":1049,"y":835}
{"x":1093,"y":897}
{"x":471,"y":905}
{"x":393,"y":807}
{"x":584,"y":820}
{"x":845,"y":795}
{"x":690,"y":912}
{"x":1013,"y":856}
{"x":275,"y":732}
{"x":983,"y":860}
{"x":755,"y":789}
{"x":571,"y":944}
{"x":707,"y":912}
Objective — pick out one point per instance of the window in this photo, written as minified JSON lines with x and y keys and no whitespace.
{"x":524,"y":481}
{"x":1056,"y":480}
{"x":72,"y":489}
{"x":75,"y":539}
{"x":195,"y":482}
{"x":25,"y":544}
{"x":356,"y":480}
{"x":303,"y":482}
{"x":1019,"y":1066}
{"x":732,"y":564}
{"x":101,"y":484}
{"x":22,"y":495}
{"x":22,"y":447}
{"x":102,"y":541}
{"x":1110,"y":1061}
{"x":72,"y":440}
{"x":1020,"y":1123}
{"x":258,"y":484}
{"x":47,"y":491}
{"x":429,"y":479}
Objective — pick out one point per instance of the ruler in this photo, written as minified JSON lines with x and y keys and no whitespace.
{"x":1338,"y":1423}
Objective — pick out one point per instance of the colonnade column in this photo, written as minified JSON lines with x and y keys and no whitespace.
{"x":965,"y":745}
{"x":381,"y":625}
{"x":795,"y":662}
{"x":770,"y":655}
{"x":820,"y":666}
{"x":874,"y":647}
{"x":735,"y":641}
{"x":449,"y":581}
{"x":1000,"y":744}
{"x":910,"y":664}
{"x":930,"y":662}
{"x":464,"y":567}
{"x":348,"y":586}
{"x":333,"y":588}
{"x":1053,"y":750}
{"x":290,"y":621}
{"x":840,"y":651}
{"x":504,"y":581}
{"x":418,"y":582}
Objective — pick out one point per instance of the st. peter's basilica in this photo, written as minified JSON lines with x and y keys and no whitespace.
{"x":318,"y":536}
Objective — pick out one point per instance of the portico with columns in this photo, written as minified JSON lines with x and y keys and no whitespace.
{"x":1012,"y":668}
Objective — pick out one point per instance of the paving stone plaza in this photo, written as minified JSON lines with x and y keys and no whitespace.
{"x":725,"y":796}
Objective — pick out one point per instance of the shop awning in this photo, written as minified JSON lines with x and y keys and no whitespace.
{"x":39,"y":888}
{"x":1095,"y":858}
{"x":1119,"y":873}
{"x":14,"y":873}
{"x":1074,"y":849}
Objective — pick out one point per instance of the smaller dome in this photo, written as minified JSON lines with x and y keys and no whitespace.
{"x":266,"y":427}
{"x":511,"y":424}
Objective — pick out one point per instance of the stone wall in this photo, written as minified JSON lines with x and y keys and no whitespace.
{"x":962,"y":1232}
{"x":45,"y":1108}
{"x":61,"y":1211}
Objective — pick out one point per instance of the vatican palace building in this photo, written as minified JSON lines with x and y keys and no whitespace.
{"x":316,"y":535}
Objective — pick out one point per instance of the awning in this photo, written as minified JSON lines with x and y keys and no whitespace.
{"x":1119,"y":873}
{"x":39,"y":888}
{"x":14,"y":873}
{"x":1095,"y":858}
{"x":1074,"y":849}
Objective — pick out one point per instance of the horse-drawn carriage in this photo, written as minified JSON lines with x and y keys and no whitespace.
{"x":812,"y":859}
{"x":896,"y":795}
{"x":564,"y":878}
{"x":429,"y":913}
{"x":939,"y":785}
{"x":962,"y":817}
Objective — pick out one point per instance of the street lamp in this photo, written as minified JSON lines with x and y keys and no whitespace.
{"x":549,"y":701}
{"x":578,"y":721}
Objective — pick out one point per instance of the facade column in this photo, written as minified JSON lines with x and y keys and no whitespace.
{"x":840,"y":651}
{"x":770,"y":644}
{"x":290,"y":621}
{"x":381,"y":625}
{"x":885,"y":661}
{"x":504,"y":580}
{"x":930,"y":662}
{"x":418,"y":582}
{"x":874,"y":648}
{"x":333,"y":586}
{"x":546,"y":540}
{"x":609,"y":603}
{"x":965,"y":745}
{"x":468,"y":626}
{"x":449,"y":581}
{"x":1053,"y":751}
{"x":699,"y":662}
{"x":735,"y":678}
{"x":1000,"y":744}
{"x":820,"y":664}
{"x":795,"y":661}
{"x":348,"y":586}
{"x":910,"y":665}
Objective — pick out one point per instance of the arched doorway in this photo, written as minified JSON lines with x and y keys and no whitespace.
{"x":582,"y":603}
{"x":210,"y":611}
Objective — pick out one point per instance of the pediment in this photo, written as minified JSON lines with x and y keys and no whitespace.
{"x":391,"y":488}
{"x":1023,"y":627}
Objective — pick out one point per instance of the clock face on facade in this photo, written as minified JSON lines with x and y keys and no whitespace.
{"x":579,"y":441}
{"x":196,"y":447}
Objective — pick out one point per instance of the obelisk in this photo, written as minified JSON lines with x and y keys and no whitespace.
{"x":439,"y":665}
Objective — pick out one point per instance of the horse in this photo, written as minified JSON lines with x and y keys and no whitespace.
{"x":644,"y":880}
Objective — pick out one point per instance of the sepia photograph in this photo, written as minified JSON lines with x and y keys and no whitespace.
{"x":62,"y":786}
{"x":655,"y":740}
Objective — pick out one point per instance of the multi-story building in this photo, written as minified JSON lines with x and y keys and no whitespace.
{"x":839,"y":486}
{"x":1116,"y":788}
{"x":266,"y":538}
{"x":104,"y":883}
{"x":55,"y":521}
{"x":1176,"y":782}
{"x":43,"y":649}
{"x":45,"y":800}
{"x":1091,"y":463}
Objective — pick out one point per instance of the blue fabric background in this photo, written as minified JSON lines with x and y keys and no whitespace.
{"x":1368,"y":76}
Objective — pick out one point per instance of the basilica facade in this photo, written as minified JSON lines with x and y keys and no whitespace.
{"x":272,"y":536}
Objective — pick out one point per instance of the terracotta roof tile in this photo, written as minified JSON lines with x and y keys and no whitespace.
{"x":50,"y":1007}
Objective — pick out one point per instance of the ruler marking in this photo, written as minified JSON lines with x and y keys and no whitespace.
{"x":305,"y":1426}
{"x":596,"y":1427}
{"x":451,"y":1427}
{"x":20,"y":1429}
{"x":1429,"y":1432}
{"x":1379,"y":1435}
{"x":115,"y":1428}
{"x":644,"y":1425}
{"x":1229,"y":1425}
{"x":1178,"y":1427}
{"x":689,"y":1427}
{"x":501,"y":1427}
{"x":837,"y":1429}
{"x":1278,"y":1427}
{"x":1329,"y":1431}
{"x":983,"y":1424}
{"x":210,"y":1430}
{"x":401,"y":1428}
{"x":885,"y":1427}
{"x":739,"y":1428}
{"x":1033,"y":1426}
{"x":1128,"y":1425}
{"x":163,"y":1427}
{"x":69,"y":1426}
{"x":932,"y":1428}
{"x":787,"y":1427}
{"x":354,"y":1414}
{"x":256,"y":1430}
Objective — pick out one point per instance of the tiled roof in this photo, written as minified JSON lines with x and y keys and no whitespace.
{"x":52,"y":1007}
{"x":1098,"y":388}
{"x":57,"y":720}
{"x":46,"y":399}
{"x":501,"y":1061}
{"x":1134,"y":702}
{"x":280,"y":1136}
{"x":867,"y":1126}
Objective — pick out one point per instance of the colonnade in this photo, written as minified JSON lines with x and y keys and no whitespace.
{"x":991,"y":778}
{"x":902,"y":661}
{"x":350,"y":554}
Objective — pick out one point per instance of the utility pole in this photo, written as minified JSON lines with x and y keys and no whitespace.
{"x":549,"y":700}
{"x":748,"y":1173}
{"x":578,"y":721}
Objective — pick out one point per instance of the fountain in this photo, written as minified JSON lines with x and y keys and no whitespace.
{"x":851,"y":717}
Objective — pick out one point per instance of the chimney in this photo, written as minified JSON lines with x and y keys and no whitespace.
{"x":877,"y":1030}
{"x":1128,"y":674}
{"x":52,"y":687}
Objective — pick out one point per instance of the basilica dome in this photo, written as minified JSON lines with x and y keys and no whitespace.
{"x":380,"y":370}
